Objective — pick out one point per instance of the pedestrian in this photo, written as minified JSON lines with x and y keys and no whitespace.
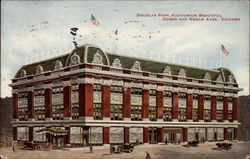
{"x":111,"y":149}
{"x":148,"y":155}
{"x":13,"y":146}
{"x":166,"y":141}
{"x":91,"y":148}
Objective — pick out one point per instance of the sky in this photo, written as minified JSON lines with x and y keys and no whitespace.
{"x":35,"y":30}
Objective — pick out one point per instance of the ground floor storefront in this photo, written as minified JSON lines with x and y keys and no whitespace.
{"x":93,"y":135}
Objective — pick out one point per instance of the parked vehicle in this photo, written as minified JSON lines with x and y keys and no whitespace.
{"x":126,"y":148}
{"x":31,"y":146}
{"x":193,"y":143}
{"x":224,"y":146}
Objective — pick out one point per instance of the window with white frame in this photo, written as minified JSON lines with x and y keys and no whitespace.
{"x":152,"y":105}
{"x":39,"y":104}
{"x":195,"y":107}
{"x":57,"y":103}
{"x":136,"y":104}
{"x":74,"y":101}
{"x":97,"y":92}
{"x":116,"y":94}
{"x":182,"y":97}
{"x":167,"y":106}
{"x":23,"y":106}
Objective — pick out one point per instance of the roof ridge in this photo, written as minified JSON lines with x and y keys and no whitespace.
{"x":146,"y":59}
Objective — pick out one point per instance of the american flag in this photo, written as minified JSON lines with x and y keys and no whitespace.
{"x":223,"y":49}
{"x":94,"y":21}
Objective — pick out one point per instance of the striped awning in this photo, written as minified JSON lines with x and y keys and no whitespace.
{"x":53,"y":131}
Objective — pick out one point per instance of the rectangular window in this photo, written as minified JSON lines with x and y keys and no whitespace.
{"x":136,"y":106}
{"x":152,"y":105}
{"x":230,"y":109}
{"x":57,"y":103}
{"x":97,"y":112}
{"x":39,"y":104}
{"x":182,"y":98}
{"x":182,"y":114}
{"x":23,"y":106}
{"x":74,"y":101}
{"x":195,"y":115}
{"x":167,"y":106}
{"x":206,"y":115}
{"x":219,"y":115}
{"x":116,"y":102}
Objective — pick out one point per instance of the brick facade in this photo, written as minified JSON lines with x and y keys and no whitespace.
{"x":145,"y":104}
{"x":200,"y":106}
{"x":175,"y":112}
{"x":85,"y":100}
{"x":189,"y":110}
{"x":159,"y":104}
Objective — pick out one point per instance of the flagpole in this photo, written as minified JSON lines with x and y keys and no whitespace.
{"x":220,"y":57}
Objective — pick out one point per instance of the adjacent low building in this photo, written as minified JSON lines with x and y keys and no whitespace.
{"x":102,"y":98}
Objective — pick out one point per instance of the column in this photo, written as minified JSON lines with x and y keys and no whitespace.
{"x":106,"y":102}
{"x":126,"y":135}
{"x":106,"y":135}
{"x":159,"y":105}
{"x":189,"y":109}
{"x":184,"y":135}
{"x":48,"y":136}
{"x":145,"y":105}
{"x":145,"y":135}
{"x":200,"y":107}
{"x":159,"y":135}
{"x":31,"y":133}
{"x":67,"y":137}
{"x":67,"y":102}
{"x":235,"y":109}
{"x":225,"y":134}
{"x":126,"y":103}
{"x":48,"y":103}
{"x":235,"y":133}
{"x":225,"y":109}
{"x":14,"y":129}
{"x":31,"y":110}
{"x":15,"y":114}
{"x":175,"y":111}
{"x":213,"y":108}
{"x":85,"y":100}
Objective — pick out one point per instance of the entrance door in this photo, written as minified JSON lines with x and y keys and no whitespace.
{"x":230,"y":134}
{"x":152,"y":135}
{"x":85,"y":137}
{"x":173,"y":136}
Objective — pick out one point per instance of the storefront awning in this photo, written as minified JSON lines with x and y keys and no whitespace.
{"x":53,"y":131}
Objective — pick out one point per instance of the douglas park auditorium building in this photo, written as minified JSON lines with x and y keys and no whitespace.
{"x":88,"y":97}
